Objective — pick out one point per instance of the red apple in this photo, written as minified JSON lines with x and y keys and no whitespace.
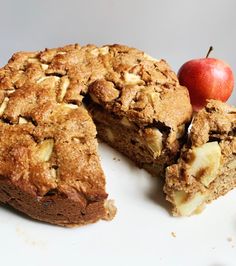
{"x":206,"y":78}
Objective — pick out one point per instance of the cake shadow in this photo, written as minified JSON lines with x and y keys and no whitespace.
{"x":156,"y":193}
{"x":15,"y":212}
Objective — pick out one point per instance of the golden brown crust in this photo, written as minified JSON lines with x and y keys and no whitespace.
{"x":124,"y":80}
{"x":217,"y":120}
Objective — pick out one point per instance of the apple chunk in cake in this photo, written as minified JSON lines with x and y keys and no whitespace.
{"x":207,"y":164}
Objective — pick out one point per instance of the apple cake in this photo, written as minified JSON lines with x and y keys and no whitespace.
{"x":207,"y":164}
{"x":49,"y":166}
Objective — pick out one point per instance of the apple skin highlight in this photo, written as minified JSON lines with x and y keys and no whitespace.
{"x":206,"y":78}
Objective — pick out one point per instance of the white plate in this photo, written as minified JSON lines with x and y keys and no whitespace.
{"x":142,"y":233}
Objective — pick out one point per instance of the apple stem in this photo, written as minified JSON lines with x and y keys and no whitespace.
{"x":209,"y":51}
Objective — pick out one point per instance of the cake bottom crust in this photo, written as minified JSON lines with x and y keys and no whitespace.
{"x":55,"y":209}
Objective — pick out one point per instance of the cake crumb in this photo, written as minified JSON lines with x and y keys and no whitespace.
{"x":28,"y":239}
{"x":116,"y":159}
{"x":173,"y":234}
{"x":230,"y":240}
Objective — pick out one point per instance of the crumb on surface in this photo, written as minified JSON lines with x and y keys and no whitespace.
{"x":116,"y":159}
{"x":28,"y":239}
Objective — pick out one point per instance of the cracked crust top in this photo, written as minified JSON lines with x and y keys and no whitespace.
{"x":216,"y":121}
{"x":124,"y":80}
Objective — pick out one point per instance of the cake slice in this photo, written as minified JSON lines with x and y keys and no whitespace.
{"x":206,"y":168}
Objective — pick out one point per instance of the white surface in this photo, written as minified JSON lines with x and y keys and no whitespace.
{"x":141,"y":232}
